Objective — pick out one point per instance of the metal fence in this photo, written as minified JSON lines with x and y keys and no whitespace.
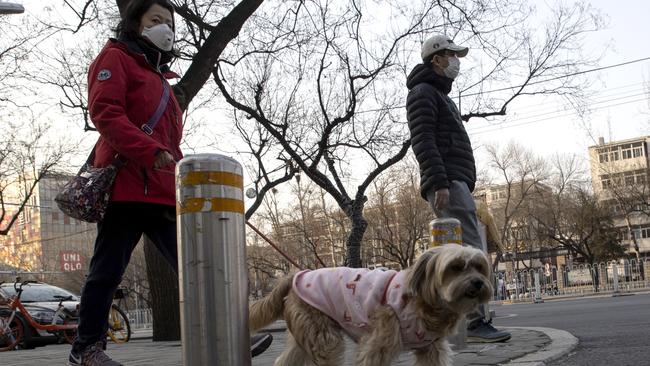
{"x":140,"y":319}
{"x":584,"y":279}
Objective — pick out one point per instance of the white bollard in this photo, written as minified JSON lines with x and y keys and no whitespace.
{"x":615,"y":279}
{"x":212,"y":261}
{"x":538,"y":292}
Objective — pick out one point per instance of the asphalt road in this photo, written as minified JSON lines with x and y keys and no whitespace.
{"x":613,"y":331}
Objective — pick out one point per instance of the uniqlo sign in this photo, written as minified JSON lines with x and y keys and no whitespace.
{"x":70,"y":261}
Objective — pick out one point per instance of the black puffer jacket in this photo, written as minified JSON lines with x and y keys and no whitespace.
{"x":438,"y":137}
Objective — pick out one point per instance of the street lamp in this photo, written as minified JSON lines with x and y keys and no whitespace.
{"x":11,"y":8}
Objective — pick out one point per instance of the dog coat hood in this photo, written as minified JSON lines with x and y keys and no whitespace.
{"x":351,"y":295}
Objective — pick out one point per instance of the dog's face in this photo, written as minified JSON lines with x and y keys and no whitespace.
{"x":456,"y":275}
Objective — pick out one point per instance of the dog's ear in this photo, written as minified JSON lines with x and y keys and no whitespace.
{"x":418,"y":272}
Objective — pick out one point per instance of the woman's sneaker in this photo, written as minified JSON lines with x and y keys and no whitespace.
{"x":92,"y":356}
{"x":260,"y":342}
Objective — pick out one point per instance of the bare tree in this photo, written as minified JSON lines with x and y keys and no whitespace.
{"x":398,"y":217}
{"x":519,"y":186}
{"x":576,"y":220}
{"x":309,"y":230}
{"x":325,"y":79}
{"x":26,"y":157}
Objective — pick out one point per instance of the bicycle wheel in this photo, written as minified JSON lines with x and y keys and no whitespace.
{"x":70,"y":334}
{"x":10,"y":334}
{"x":119,"y":328}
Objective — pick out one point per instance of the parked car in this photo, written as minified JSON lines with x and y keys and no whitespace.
{"x":38,"y":299}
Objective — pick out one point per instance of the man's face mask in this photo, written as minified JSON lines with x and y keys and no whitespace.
{"x":452,"y":70}
{"x":160,"y":35}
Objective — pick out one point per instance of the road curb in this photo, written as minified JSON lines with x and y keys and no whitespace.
{"x":569,"y":298}
{"x":562,"y":342}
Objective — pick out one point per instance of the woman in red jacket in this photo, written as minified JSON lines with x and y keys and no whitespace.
{"x":127,"y":83}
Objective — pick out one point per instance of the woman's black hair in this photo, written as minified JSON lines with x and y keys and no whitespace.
{"x":132,"y":15}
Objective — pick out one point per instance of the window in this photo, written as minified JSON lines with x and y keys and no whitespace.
{"x":613,"y":156}
{"x":645,"y":233}
{"x":627,"y":154}
{"x":626,"y":151}
{"x":637,"y":152}
{"x":637,"y":149}
{"x":603,"y":157}
{"x":624,"y":234}
{"x":605,"y":181}
{"x":640,"y":176}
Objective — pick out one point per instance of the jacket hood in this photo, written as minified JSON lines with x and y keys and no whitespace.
{"x":422,"y":73}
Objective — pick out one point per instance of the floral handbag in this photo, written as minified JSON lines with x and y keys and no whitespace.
{"x":86,"y":196}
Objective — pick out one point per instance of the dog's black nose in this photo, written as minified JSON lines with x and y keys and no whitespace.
{"x":478,"y":284}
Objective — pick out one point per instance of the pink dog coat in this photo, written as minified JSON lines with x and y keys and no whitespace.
{"x":351,"y":295}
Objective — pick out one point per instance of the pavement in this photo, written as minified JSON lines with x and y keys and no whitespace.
{"x":531,"y":346}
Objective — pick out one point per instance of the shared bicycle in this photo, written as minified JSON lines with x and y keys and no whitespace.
{"x":64,"y":323}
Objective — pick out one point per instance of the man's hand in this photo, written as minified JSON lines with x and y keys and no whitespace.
{"x":442,"y":199}
{"x":163,"y":159}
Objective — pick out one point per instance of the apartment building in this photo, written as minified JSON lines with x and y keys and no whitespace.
{"x":619,"y":174}
{"x":43,"y":239}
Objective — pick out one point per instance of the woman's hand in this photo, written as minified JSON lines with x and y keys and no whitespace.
{"x":163,"y":159}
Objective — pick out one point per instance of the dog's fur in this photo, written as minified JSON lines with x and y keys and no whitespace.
{"x":446,"y":283}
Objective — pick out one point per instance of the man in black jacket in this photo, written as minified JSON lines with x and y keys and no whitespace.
{"x":444,"y":152}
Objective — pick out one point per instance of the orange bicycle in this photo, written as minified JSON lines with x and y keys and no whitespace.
{"x":63,"y":323}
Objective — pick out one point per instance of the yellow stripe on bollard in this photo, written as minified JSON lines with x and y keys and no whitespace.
{"x":216,"y":204}
{"x":196,"y":178}
{"x":439,"y":243}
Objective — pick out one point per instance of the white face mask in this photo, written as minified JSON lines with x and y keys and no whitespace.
{"x":453,"y":68}
{"x":161,"y":35}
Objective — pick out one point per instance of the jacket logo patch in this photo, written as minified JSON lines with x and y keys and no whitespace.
{"x":104,"y":74}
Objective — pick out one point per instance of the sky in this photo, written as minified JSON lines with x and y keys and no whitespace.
{"x":620,"y":108}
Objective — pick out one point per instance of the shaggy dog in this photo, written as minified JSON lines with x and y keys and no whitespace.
{"x":385,"y":312}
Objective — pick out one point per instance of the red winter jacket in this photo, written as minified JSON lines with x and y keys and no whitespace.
{"x":124,"y":91}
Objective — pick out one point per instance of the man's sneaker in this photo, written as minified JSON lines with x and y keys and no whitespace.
{"x":483,"y":332}
{"x":260,"y":342}
{"x":92,"y":356}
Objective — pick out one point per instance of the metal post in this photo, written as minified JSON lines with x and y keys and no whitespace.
{"x":212,"y":261}
{"x":449,"y":231}
{"x":538,"y":293}
{"x":615,"y":279}
{"x":445,"y":231}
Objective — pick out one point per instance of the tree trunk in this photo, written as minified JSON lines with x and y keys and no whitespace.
{"x":359,"y":225}
{"x":163,"y":287}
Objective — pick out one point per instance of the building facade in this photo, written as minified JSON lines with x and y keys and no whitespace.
{"x":44,"y":240}
{"x":619,"y":174}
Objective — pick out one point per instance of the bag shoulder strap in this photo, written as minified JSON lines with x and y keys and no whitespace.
{"x":153,"y":120}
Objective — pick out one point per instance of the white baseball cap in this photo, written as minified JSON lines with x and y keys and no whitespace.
{"x":441,"y":42}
